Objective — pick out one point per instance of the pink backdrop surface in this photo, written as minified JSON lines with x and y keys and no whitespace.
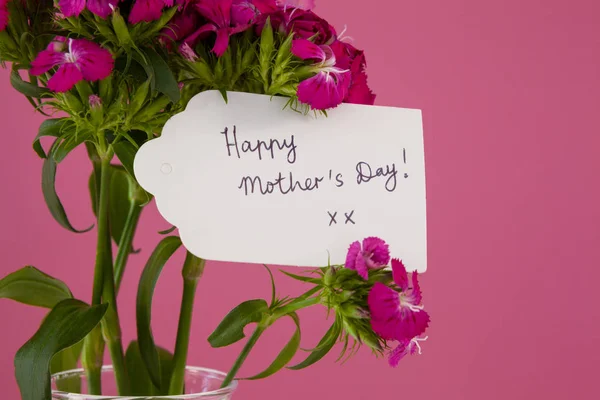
{"x":510,"y":93}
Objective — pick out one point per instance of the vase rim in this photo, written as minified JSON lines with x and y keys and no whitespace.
{"x":80,"y":396}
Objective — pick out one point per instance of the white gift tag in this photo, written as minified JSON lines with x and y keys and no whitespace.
{"x":248,"y":181}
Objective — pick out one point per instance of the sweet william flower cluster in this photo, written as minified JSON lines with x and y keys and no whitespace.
{"x":317,"y":68}
{"x":109,"y":74}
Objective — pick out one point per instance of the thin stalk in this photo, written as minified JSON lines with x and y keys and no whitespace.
{"x":260,"y":328}
{"x":126,"y":242}
{"x":110,"y":323}
{"x":192,"y":271}
{"x":93,"y":347}
{"x":294,"y":306}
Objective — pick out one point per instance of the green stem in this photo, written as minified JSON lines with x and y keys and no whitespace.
{"x":110,"y":323}
{"x":294,"y":306}
{"x":93,"y":348}
{"x":192,"y":271}
{"x":92,"y":359}
{"x":126,"y":242}
{"x":260,"y":328}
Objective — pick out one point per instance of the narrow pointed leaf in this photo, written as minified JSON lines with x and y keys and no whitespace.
{"x":50,"y":127}
{"x":286,"y":355}
{"x":125,"y":152}
{"x":26,"y":88}
{"x":67,"y":324}
{"x":164,"y":79}
{"x":33,"y":287}
{"x":300,"y":277}
{"x":231,"y":329}
{"x":49,"y":190}
{"x":272,"y":284}
{"x":324,"y":346}
{"x":66,"y":360}
{"x":167,"y":231}
{"x":148,"y":350}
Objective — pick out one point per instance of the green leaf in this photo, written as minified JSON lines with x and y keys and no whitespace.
{"x":68,"y":143}
{"x":272,"y":285}
{"x":139,"y":380}
{"x":122,"y":198}
{"x":125,"y":152}
{"x":164,"y":250}
{"x":120,"y":28}
{"x":265,"y":57}
{"x":286,"y":355}
{"x":66,"y":360}
{"x":167,"y":231}
{"x":68,"y":323}
{"x":324,"y":346}
{"x":31,"y":286}
{"x":300,"y":277}
{"x":231,"y":329}
{"x":165,"y":81}
{"x":49,"y":190}
{"x":26,"y":88}
{"x":50,"y":127}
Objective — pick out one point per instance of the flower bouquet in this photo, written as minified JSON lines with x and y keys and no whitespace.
{"x":109,"y":74}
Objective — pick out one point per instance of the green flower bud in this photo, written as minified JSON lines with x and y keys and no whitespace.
{"x":121,"y":30}
{"x":96,"y":109}
{"x":106,"y":90}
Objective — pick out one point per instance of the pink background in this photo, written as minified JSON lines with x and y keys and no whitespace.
{"x":510,"y":97}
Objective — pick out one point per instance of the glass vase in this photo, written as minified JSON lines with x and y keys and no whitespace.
{"x":200,"y":384}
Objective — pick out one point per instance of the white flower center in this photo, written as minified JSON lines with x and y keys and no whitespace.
{"x":405,"y":302}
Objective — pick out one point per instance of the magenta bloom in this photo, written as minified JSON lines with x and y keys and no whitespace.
{"x":226,"y":18}
{"x":182,"y":25}
{"x":404,"y":348}
{"x":329,"y":87}
{"x":147,"y":10}
{"x":348,"y":57}
{"x":102,"y":8}
{"x":398,"y":315}
{"x":81,"y":60}
{"x":305,"y":24}
{"x":3,"y":14}
{"x":374,"y":253}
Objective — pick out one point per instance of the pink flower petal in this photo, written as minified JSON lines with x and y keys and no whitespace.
{"x":146,"y":10}
{"x":398,"y":353}
{"x":359,"y":92}
{"x":353,"y":252}
{"x":412,"y":324}
{"x":378,"y":251}
{"x":222,"y":42}
{"x":217,"y":11}
{"x":71,"y":8}
{"x":3,"y":14}
{"x":101,"y":8}
{"x":399,"y":274}
{"x":384,"y":307}
{"x":307,"y":50}
{"x":65,"y":78}
{"x":46,"y":60}
{"x":200,"y":34}
{"x":416,"y":289}
{"x":243,"y":13}
{"x":325,"y":90}
{"x":94,"y":61}
{"x":182,"y":25}
{"x":361,"y":266}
